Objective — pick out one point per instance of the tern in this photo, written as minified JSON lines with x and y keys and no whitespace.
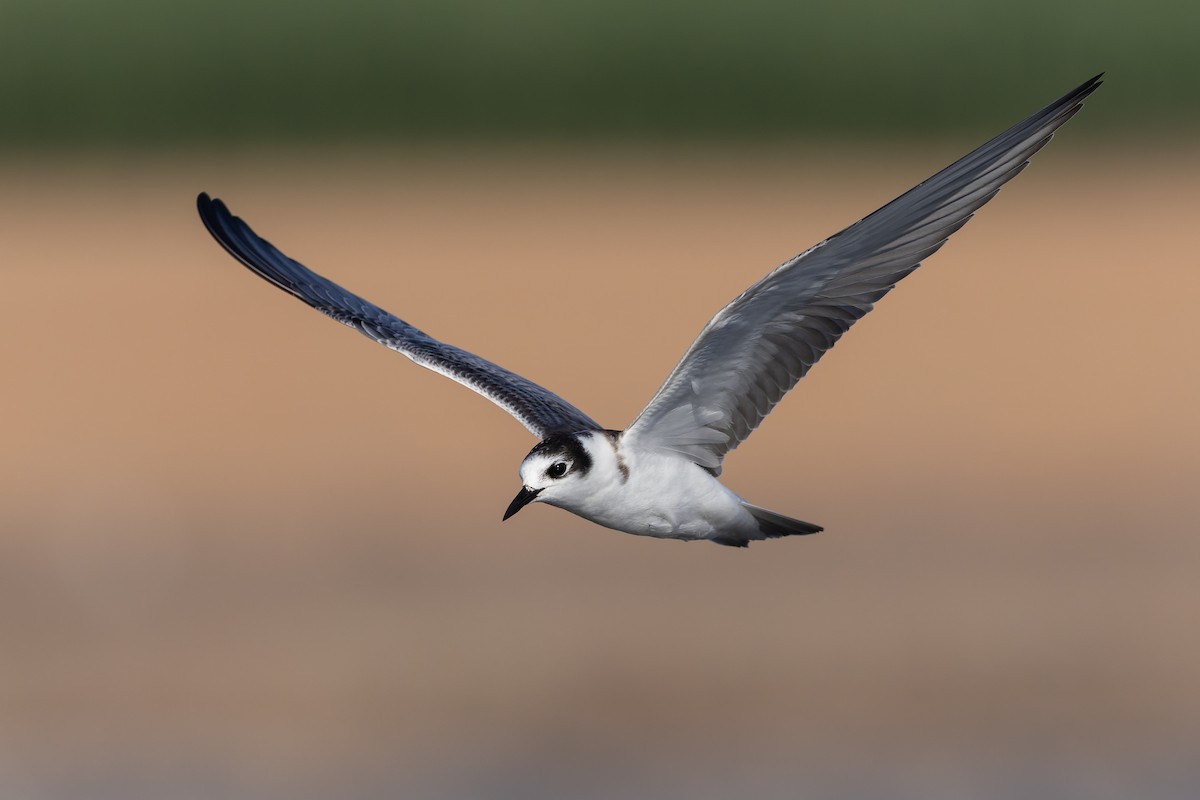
{"x":659,"y":476}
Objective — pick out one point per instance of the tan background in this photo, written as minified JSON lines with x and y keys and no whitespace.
{"x":245,"y":553}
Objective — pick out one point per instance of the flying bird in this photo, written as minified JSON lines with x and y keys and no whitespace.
{"x":659,"y":476}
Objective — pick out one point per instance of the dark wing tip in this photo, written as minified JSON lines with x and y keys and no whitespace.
{"x":221,"y":224}
{"x":1073,"y":100}
{"x":1090,"y":85}
{"x":210,"y":210}
{"x":254,"y":252}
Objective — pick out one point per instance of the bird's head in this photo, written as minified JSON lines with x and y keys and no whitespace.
{"x":555,"y":468}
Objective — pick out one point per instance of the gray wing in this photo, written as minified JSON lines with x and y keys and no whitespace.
{"x":757,"y":347}
{"x":542,"y":412}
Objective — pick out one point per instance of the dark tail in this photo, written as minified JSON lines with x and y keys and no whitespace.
{"x":770,"y":526}
{"x":773,"y":525}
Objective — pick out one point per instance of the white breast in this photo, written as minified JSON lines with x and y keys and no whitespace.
{"x":649,"y":493}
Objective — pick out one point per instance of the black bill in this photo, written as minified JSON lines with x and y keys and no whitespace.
{"x":523,"y":498}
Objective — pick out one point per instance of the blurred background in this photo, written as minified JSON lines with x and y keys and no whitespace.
{"x":246,"y":554}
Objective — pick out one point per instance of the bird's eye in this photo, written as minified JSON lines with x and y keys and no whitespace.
{"x":557,"y":469}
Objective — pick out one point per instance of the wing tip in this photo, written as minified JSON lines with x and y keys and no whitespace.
{"x":248,"y":248}
{"x":207,"y":205}
{"x":215,"y":215}
{"x":1072,"y":101}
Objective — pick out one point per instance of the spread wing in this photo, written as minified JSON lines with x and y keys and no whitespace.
{"x":757,"y":347}
{"x":541,"y":411}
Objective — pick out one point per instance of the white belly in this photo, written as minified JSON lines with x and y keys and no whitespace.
{"x":666,"y":497}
